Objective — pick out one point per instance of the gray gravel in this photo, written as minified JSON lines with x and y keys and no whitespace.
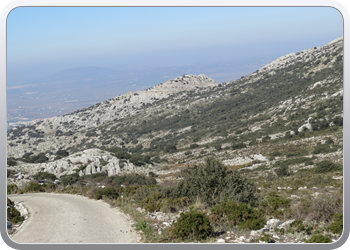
{"x":63,"y":218}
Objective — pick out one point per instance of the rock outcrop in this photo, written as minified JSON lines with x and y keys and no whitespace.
{"x":95,"y":160}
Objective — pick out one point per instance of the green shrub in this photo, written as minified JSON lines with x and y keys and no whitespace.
{"x":122,"y":155}
{"x":69,"y":179}
{"x":142,"y":192}
{"x":238,"y":146}
{"x":213,"y":182}
{"x":44,"y":176}
{"x":327,"y":166}
{"x":11,"y":162}
{"x":194,"y":145}
{"x":275,"y":206}
{"x":12,"y":188}
{"x":282,"y":171}
{"x":144,"y":226}
{"x":241,"y":215}
{"x":14,"y":215}
{"x":139,"y":160}
{"x":323,"y":149}
{"x":108,"y":192}
{"x":338,"y":121}
{"x":276,"y":153}
{"x":40,"y":158}
{"x":192,"y":225}
{"x":278,"y":202}
{"x":62,"y":153}
{"x":153,"y":202}
{"x":81,"y":167}
{"x":266,"y":238}
{"x":33,"y":187}
{"x":319,"y":239}
{"x":297,"y":226}
{"x":329,"y":141}
{"x":337,"y":226}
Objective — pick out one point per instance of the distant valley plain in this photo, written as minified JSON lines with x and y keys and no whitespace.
{"x":77,"y":88}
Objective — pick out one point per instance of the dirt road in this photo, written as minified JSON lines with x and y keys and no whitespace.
{"x":63,"y":218}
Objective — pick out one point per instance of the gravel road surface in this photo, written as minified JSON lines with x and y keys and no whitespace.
{"x":63,"y":218}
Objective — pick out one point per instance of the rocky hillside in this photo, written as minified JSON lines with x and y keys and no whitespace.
{"x":292,"y":101}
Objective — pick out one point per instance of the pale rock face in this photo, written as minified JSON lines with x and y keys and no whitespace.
{"x":185,"y":82}
{"x":244,"y":160}
{"x":307,"y":126}
{"x":63,"y":166}
{"x":271,"y":224}
{"x":286,"y":224}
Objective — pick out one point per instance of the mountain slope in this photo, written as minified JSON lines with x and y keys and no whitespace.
{"x":297,"y":97}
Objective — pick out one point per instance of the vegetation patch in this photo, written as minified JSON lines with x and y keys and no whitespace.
{"x":192,"y":225}
{"x":319,"y":239}
{"x":337,"y":226}
{"x":327,"y":166}
{"x":241,"y":215}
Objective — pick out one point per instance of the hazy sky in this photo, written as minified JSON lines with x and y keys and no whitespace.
{"x":45,"y":40}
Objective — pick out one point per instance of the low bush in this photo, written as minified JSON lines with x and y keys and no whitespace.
{"x":323,"y":149}
{"x":337,"y":226}
{"x":144,"y":226}
{"x":238,"y":146}
{"x":240,"y":215}
{"x":40,"y":158}
{"x":139,"y":160}
{"x":44,"y":176}
{"x":81,"y":167}
{"x":282,"y":171}
{"x":12,"y":189}
{"x":107,"y":192}
{"x":69,"y":179}
{"x":319,"y":239}
{"x":212,"y":182}
{"x":33,"y":187}
{"x":327,"y":166}
{"x":122,"y":155}
{"x":338,"y":121}
{"x":192,"y":225}
{"x":11,"y":162}
{"x":275,"y":153}
{"x":153,"y":202}
{"x":298,"y":226}
{"x":13,"y":214}
{"x":267,"y":238}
